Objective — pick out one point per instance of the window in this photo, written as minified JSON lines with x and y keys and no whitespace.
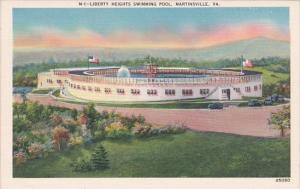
{"x":97,"y":90}
{"x":58,"y":81}
{"x":78,"y":86}
{"x":238,"y":90}
{"x":90,"y":88}
{"x":187,"y":92}
{"x":170,"y":92}
{"x":152,"y":92}
{"x":204,"y":91}
{"x":49,"y":81}
{"x":120,"y":91}
{"x":224,"y":91}
{"x":248,"y":89}
{"x":260,"y":86}
{"x":135,"y":91}
{"x":255,"y":88}
{"x":83,"y":88}
{"x":107,"y":90}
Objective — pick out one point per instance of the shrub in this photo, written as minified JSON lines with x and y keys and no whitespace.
{"x":76,"y":140}
{"x":141,"y":130}
{"x":117,"y":130}
{"x":81,"y":165}
{"x":149,"y":130}
{"x":56,"y":119}
{"x":20,"y":157}
{"x":99,"y":135}
{"x":98,"y":161}
{"x":35,"y":150}
{"x":71,"y":126}
{"x":60,"y":137}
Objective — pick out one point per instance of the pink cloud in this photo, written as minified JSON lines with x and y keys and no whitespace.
{"x":160,"y":38}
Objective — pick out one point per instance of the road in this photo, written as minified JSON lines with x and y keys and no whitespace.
{"x":251,"y":121}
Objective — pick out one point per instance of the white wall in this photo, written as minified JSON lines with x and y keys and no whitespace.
{"x":102,"y":96}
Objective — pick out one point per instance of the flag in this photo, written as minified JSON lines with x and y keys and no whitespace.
{"x":94,"y":60}
{"x":247,"y":64}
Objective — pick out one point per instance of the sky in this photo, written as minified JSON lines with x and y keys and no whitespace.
{"x":145,"y":28}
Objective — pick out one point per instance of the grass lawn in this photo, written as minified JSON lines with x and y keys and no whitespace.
{"x":191,"y":154}
{"x":270,"y":77}
{"x":41,"y":91}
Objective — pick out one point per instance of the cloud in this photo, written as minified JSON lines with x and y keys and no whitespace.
{"x":156,"y":38}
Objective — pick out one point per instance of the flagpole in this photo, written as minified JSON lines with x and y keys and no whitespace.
{"x":242,"y":64}
{"x":88,"y":63}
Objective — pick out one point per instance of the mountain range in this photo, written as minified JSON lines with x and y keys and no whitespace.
{"x":252,"y":48}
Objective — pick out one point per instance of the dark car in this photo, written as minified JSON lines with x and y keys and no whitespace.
{"x":268,"y":101}
{"x":254,"y":102}
{"x":274,"y":97}
{"x":280,"y":98}
{"x":216,"y":105}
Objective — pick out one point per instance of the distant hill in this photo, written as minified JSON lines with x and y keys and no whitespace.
{"x":253,"y":48}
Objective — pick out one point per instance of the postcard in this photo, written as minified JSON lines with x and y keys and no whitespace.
{"x":150,"y":94}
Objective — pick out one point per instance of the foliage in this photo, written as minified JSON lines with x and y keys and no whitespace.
{"x":56,"y":93}
{"x":76,"y":140}
{"x":281,"y":87}
{"x":60,"y":137}
{"x":74,"y":114}
{"x":81,"y":165}
{"x":71,"y":125}
{"x":35,"y":150}
{"x":20,"y":157}
{"x":92,"y":116}
{"x":117,"y":130}
{"x":148,"y":130}
{"x":99,"y":159}
{"x":281,"y":119}
{"x":201,"y":154}
{"x":56,"y":119}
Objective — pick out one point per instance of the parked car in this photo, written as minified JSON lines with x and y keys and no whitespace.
{"x":274,"y":97}
{"x":254,"y":102}
{"x":216,"y":105}
{"x":268,"y":101}
{"x":277,"y":98}
{"x":280,"y":98}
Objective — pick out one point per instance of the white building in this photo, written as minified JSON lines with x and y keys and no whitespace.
{"x":152,"y":83}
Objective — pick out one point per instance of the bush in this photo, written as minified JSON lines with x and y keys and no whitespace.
{"x":99,"y":135}
{"x":20,"y":157}
{"x":148,"y":130}
{"x":98,"y":161}
{"x":142,"y":130}
{"x":76,"y":140}
{"x":81,"y":165}
{"x":35,"y":150}
{"x":117,"y":130}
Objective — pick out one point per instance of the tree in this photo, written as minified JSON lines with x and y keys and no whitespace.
{"x":99,"y":159}
{"x":281,"y":119}
{"x":61,"y":137}
{"x":92,"y":116}
{"x":33,"y":111}
{"x":74,"y":114}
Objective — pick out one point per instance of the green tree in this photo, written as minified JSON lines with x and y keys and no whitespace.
{"x":99,"y":159}
{"x":93,"y":116}
{"x":33,"y":112}
{"x":281,"y":119}
{"x":74,"y":114}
